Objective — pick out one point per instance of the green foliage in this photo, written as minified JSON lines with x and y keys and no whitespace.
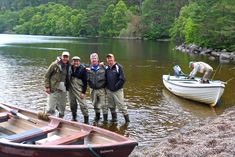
{"x":120,"y":18}
{"x":95,"y":10}
{"x":51,"y":19}
{"x":158,"y":17}
{"x":8,"y":20}
{"x":114,"y":20}
{"x":208,"y":24}
{"x":106,"y":22}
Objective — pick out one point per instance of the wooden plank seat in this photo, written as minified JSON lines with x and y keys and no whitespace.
{"x":33,"y":134}
{"x":68,"y":139}
{"x":4,"y":116}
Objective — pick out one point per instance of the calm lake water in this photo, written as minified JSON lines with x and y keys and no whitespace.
{"x":154,"y":112}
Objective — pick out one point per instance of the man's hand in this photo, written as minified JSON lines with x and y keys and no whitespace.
{"x":48,"y":90}
{"x":82,"y":95}
{"x":190,"y":77}
{"x":88,"y":69}
{"x":101,"y":63}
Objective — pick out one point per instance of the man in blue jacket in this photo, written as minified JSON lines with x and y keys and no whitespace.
{"x":115,"y":81}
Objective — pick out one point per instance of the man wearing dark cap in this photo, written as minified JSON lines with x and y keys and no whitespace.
{"x":115,"y":82}
{"x":56,"y":82}
{"x":77,"y":89}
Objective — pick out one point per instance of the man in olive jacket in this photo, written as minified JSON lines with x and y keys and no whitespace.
{"x":56,"y":80}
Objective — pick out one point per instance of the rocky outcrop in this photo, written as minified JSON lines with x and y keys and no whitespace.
{"x":222,"y":55}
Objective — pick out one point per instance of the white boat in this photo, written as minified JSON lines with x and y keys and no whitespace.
{"x":193,"y":89}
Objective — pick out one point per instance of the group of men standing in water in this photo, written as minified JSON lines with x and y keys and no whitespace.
{"x":105,"y":82}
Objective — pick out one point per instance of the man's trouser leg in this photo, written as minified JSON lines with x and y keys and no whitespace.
{"x":84,"y":109}
{"x":102,"y":103}
{"x":73,"y":105}
{"x":61,"y":104}
{"x":119,"y":101}
{"x":207,"y":75}
{"x":52,"y":102}
{"x":111,"y":105}
{"x":95,"y":103}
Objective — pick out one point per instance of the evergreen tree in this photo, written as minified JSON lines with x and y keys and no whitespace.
{"x":120,"y":18}
{"x":106,"y":22}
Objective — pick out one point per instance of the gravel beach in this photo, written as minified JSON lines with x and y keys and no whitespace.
{"x":215,"y":138}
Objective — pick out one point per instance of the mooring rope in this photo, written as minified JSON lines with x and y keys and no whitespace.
{"x":93,"y":152}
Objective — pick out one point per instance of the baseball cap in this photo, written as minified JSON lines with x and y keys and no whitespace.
{"x":65,"y":53}
{"x":110,"y":55}
{"x":76,"y":58}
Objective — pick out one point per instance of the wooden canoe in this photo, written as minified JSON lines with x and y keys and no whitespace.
{"x":57,"y":138}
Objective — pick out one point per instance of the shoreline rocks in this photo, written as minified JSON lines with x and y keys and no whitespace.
{"x":222,"y":55}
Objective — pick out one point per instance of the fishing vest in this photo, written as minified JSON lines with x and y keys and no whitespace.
{"x":96,"y":79}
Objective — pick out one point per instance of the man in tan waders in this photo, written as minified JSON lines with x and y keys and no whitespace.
{"x":115,"y":81}
{"x":56,"y":80}
{"x":202,"y":68}
{"x":77,"y":89}
{"x":97,"y":81}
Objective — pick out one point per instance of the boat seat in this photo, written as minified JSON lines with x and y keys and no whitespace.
{"x":33,"y":134}
{"x":4,"y":116}
{"x":68,"y":139}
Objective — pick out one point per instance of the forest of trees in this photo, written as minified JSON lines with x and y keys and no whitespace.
{"x":209,"y":23}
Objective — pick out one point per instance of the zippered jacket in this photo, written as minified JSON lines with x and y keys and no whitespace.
{"x":115,"y":77}
{"x":54,"y":75}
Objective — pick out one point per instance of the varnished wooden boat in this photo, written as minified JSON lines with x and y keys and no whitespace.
{"x":57,"y":138}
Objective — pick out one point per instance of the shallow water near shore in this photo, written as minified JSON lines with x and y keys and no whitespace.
{"x":154,"y":112}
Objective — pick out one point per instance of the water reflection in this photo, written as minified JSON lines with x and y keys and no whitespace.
{"x":154,"y":112}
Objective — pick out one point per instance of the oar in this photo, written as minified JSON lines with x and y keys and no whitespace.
{"x":14,"y":112}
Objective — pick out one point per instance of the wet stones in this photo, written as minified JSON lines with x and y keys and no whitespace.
{"x":222,"y":55}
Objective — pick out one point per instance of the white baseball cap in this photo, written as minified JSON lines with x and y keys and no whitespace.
{"x":110,"y":55}
{"x":65,"y":53}
{"x":76,"y":58}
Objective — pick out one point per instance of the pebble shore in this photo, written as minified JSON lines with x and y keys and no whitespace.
{"x":215,"y":138}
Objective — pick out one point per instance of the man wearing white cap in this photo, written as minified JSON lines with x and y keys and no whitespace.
{"x":77,"y":89}
{"x":56,"y":82}
{"x":202,"y":68}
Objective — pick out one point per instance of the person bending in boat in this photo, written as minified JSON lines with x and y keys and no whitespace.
{"x":97,"y":81}
{"x":202,"y":68}
{"x":56,"y":82}
{"x":77,"y":89}
{"x":115,"y":81}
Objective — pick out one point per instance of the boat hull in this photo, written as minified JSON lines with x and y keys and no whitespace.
{"x":85,"y":140}
{"x":208,"y":93}
{"x":19,"y":151}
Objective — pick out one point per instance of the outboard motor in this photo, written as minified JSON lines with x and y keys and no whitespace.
{"x":178,"y":71}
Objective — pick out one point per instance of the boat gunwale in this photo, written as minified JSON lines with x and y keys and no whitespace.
{"x":202,"y":85}
{"x":121,"y":140}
